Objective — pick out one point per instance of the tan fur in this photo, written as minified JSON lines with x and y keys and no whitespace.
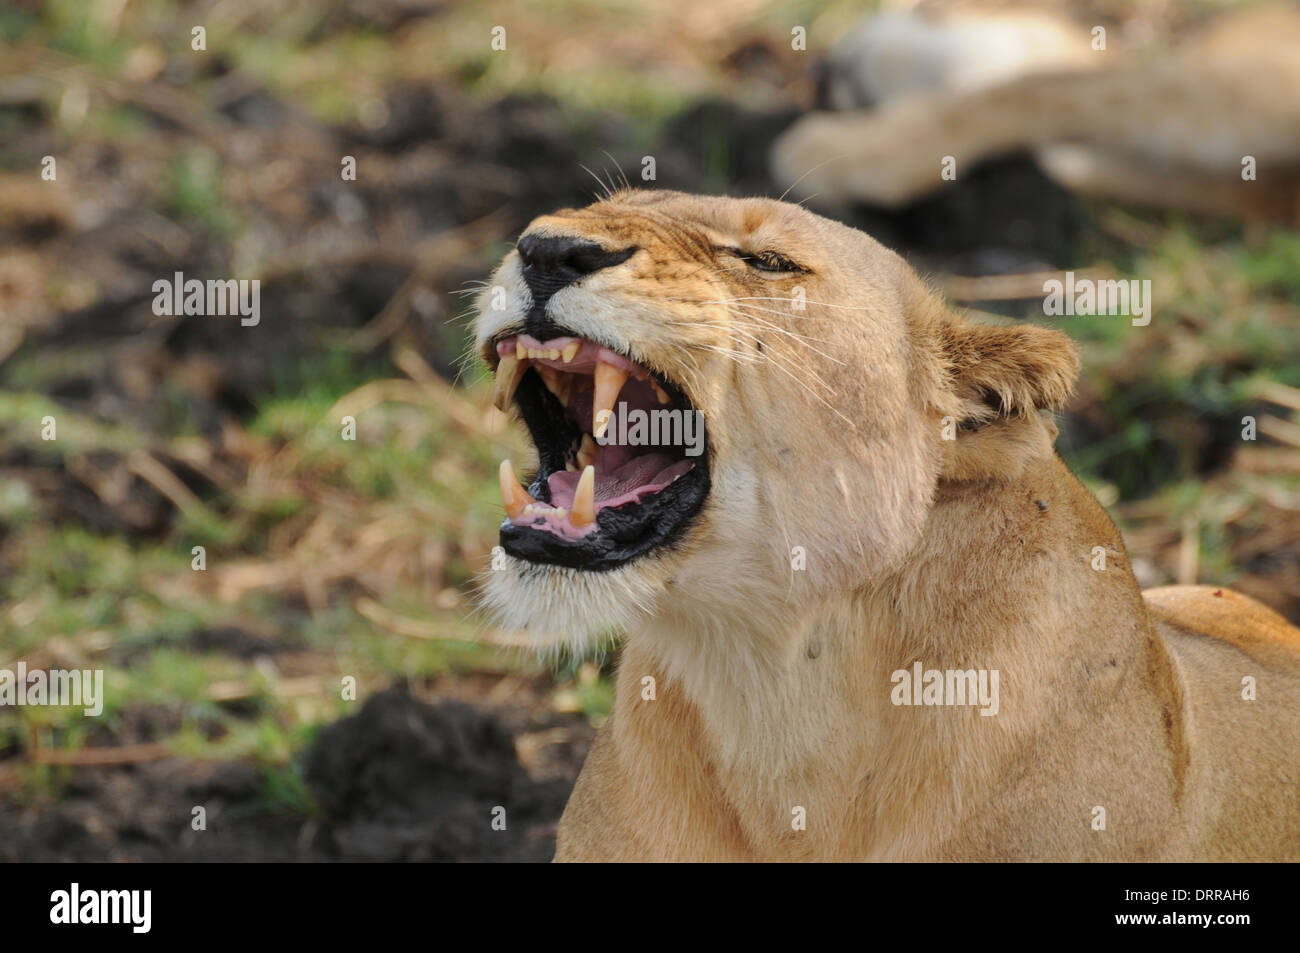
{"x":1146,"y":126}
{"x":772,"y":685}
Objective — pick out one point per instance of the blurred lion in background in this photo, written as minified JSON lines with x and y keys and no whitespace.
{"x":1211,"y":124}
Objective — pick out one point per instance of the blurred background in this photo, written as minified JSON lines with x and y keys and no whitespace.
{"x":328,"y":559}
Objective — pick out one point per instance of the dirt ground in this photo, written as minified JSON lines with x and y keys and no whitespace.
{"x":402,"y":780}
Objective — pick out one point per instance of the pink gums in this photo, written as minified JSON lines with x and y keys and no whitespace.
{"x":621,"y":478}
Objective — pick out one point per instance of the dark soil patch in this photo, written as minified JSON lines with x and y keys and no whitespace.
{"x":401,"y":780}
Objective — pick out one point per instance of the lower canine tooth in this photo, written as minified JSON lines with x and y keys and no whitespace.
{"x":514,"y":496}
{"x":508,"y":373}
{"x":584,"y":499}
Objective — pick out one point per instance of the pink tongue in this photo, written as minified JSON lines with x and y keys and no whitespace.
{"x":642,"y":475}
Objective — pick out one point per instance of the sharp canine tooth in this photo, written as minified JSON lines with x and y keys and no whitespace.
{"x":660,"y":392}
{"x":584,"y":499}
{"x":513,"y":495}
{"x":571,"y":351}
{"x":609,"y":381}
{"x":507,"y":380}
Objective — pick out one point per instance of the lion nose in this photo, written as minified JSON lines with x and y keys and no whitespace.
{"x":553,"y":262}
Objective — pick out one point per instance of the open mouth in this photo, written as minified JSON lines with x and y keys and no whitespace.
{"x":622,"y":454}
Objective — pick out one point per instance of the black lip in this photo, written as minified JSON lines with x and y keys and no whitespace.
{"x":539,"y":325}
{"x":623,"y":533}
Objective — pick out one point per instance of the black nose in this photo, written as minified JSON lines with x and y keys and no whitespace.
{"x":553,"y":262}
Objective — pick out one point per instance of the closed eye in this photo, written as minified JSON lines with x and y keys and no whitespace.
{"x":768,"y":262}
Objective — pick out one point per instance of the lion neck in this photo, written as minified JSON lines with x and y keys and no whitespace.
{"x":1000,"y":580}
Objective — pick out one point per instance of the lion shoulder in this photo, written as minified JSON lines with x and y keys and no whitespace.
{"x":1223,"y":614}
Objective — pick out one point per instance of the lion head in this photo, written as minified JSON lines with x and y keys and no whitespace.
{"x":794,"y":382}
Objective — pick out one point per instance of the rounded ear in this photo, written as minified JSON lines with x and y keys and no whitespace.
{"x":1006,"y":371}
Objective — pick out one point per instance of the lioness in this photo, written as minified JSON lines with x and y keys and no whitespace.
{"x":877,"y":499}
{"x":1212,"y":125}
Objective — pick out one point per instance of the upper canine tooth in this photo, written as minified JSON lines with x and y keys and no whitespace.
{"x":659,"y":391}
{"x":609,"y":381}
{"x":513,"y":495}
{"x":509,"y":370}
{"x":571,"y":351}
{"x":583,"y":512}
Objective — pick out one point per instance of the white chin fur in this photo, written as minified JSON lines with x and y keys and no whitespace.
{"x":567,"y":608}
